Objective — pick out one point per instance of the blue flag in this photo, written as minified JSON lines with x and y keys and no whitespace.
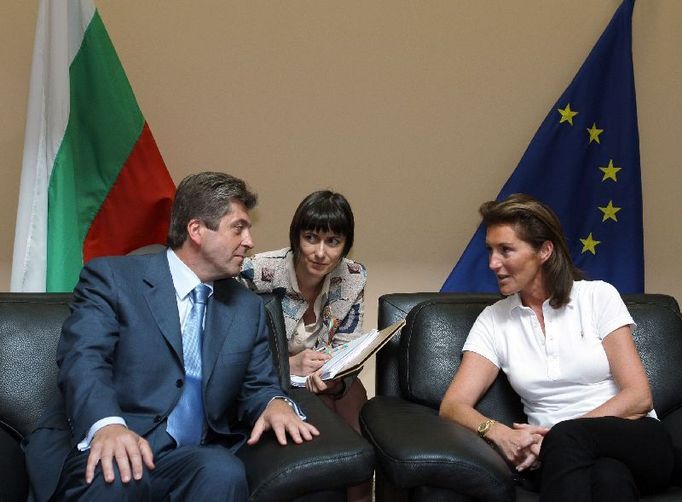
{"x":584,"y":163}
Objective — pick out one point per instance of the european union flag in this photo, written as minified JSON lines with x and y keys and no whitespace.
{"x":584,"y":163}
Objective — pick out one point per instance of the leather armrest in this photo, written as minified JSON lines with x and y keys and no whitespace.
{"x":338,"y":458}
{"x":416,"y":447}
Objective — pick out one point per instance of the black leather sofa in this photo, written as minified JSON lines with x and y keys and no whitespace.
{"x":30,"y":326}
{"x":423,"y":457}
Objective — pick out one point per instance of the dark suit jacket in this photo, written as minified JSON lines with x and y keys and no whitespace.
{"x":120,"y":354}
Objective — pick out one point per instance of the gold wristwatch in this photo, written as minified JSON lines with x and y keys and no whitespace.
{"x":484,"y":427}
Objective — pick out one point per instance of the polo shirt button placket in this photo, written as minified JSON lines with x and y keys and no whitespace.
{"x":536,"y":328}
{"x":551,"y":358}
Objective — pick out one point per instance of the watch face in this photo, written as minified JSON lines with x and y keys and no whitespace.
{"x":484,"y":427}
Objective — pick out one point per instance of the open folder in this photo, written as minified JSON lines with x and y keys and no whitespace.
{"x":350,"y":357}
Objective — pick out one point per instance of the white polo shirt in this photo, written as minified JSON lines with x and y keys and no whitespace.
{"x":563,"y":373}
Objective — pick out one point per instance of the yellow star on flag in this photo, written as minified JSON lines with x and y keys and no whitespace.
{"x":594,"y":133}
{"x":610,"y":171}
{"x":567,"y":114}
{"x":589,"y":244}
{"x":609,"y":212}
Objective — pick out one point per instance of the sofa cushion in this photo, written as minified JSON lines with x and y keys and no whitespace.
{"x":419,"y":365}
{"x":30,"y":326}
{"x":430,"y":353}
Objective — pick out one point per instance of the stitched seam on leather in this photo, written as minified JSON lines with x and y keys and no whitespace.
{"x":11,"y":430}
{"x":408,"y":341}
{"x":35,"y":301}
{"x":395,"y":307}
{"x":649,"y":302}
{"x":672,"y":410}
{"x":267,"y":483}
{"x":460,"y":464}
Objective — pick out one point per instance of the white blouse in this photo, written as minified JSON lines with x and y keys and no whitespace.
{"x":562,"y":373}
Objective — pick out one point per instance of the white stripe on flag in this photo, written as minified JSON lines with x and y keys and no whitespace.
{"x":59,"y":35}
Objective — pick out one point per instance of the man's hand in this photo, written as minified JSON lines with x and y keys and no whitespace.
{"x":307,"y":361}
{"x":283,"y":420}
{"x":118,"y":442}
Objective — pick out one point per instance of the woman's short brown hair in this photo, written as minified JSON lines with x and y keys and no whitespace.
{"x":536,"y":223}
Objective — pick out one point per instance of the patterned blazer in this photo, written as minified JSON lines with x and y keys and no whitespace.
{"x":343,"y":311}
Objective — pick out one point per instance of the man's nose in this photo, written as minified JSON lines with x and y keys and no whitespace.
{"x":247,"y":242}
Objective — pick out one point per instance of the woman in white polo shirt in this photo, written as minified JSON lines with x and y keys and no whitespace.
{"x":566,"y":347}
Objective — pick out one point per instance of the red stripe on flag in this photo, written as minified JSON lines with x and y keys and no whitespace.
{"x":136,"y":211}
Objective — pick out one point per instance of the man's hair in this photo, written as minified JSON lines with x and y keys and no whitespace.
{"x":536,"y":223}
{"x":205,"y":196}
{"x":322,"y":211}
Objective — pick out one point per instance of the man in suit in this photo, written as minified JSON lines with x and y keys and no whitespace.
{"x":159,"y":355}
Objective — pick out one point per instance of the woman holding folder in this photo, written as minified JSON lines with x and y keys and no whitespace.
{"x":322,"y":300}
{"x":322,"y":294}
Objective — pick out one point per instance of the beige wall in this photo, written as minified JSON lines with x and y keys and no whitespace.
{"x":417,"y":111}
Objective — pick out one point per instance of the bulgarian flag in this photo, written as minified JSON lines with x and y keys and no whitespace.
{"x":93,"y":182}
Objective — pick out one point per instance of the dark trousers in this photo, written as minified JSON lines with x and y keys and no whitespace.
{"x":607,"y":458}
{"x":187,"y":473}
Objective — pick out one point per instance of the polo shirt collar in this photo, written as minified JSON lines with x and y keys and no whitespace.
{"x":515,"y":299}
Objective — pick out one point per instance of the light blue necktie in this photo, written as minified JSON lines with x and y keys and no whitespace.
{"x":186,"y":421}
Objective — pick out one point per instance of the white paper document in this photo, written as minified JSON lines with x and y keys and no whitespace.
{"x":350,"y":356}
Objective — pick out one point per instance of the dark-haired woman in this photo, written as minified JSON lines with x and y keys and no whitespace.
{"x":323,"y":299}
{"x":566,"y":347}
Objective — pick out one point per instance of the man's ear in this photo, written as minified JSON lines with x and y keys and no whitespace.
{"x":195,"y":228}
{"x":546,"y":250}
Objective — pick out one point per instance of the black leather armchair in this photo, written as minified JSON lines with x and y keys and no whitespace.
{"x":30,"y":326}
{"x":423,"y":457}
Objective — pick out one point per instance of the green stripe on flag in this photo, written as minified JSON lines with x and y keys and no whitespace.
{"x":104,"y":124}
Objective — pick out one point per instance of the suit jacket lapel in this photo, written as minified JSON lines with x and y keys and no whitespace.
{"x":160,"y":296}
{"x":219,"y":316}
